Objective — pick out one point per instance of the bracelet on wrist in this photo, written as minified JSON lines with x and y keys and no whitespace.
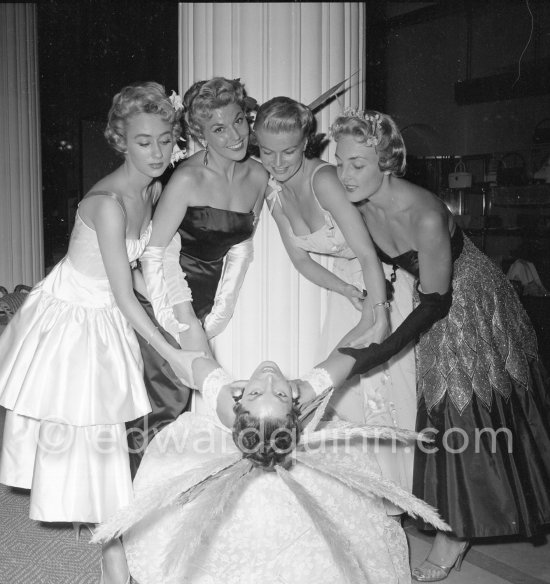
{"x":385,"y":304}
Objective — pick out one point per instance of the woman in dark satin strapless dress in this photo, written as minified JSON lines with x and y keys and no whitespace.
{"x":201,"y":244}
{"x":481,"y":388}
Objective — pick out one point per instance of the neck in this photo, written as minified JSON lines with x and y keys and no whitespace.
{"x":137,"y":183}
{"x":222,"y":165}
{"x":295,"y":180}
{"x":380,"y":198}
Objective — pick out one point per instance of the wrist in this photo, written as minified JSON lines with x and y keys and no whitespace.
{"x":342,"y":288}
{"x":381,"y":313}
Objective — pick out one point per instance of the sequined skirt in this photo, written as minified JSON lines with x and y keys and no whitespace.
{"x":483,"y":391}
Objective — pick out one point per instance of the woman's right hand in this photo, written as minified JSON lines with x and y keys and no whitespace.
{"x":181,"y":362}
{"x":354,"y":295}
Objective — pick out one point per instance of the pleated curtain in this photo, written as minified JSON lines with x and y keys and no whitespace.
{"x":21,"y":241}
{"x":298,"y":50}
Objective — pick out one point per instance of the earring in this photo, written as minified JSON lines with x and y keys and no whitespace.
{"x":205,"y":159}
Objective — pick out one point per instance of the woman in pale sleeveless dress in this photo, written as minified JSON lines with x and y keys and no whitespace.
{"x":314,"y":217}
{"x":71,"y":372}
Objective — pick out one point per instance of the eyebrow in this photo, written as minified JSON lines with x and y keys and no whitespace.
{"x":151,"y":135}
{"x":279,"y":397}
{"x":283,"y":150}
{"x":354,"y":158}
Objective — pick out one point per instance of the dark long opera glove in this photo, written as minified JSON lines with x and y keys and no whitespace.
{"x":432,"y":308}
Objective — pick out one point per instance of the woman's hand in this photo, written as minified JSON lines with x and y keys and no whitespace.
{"x":354,"y":295}
{"x":364,"y":334}
{"x":182,"y":364}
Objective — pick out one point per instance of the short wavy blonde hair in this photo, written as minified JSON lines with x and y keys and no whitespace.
{"x":378,"y":129}
{"x":148,"y":98}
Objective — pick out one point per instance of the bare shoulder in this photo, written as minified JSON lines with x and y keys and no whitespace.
{"x":185,"y":178}
{"x":256,"y":172}
{"x":324,"y":173}
{"x":102,"y":206}
{"x":327,"y":186}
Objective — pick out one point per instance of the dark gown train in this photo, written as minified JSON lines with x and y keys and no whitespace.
{"x":478,"y":371}
{"x":206,"y":234}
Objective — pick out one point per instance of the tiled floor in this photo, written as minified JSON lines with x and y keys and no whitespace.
{"x":498,"y":562}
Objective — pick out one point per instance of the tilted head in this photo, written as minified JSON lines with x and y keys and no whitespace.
{"x":376,"y":130}
{"x":134,"y":100}
{"x":284,"y":132}
{"x":204,"y":97}
{"x":282,"y":115}
{"x":267,"y":427}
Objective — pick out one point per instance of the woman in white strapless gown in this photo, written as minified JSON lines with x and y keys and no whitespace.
{"x":206,"y":511}
{"x":315,"y":218}
{"x":71,"y":372}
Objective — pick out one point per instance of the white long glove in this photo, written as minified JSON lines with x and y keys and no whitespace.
{"x":176,"y":285}
{"x":162,"y":287}
{"x":236,"y":263}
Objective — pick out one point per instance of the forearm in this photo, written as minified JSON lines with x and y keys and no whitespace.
{"x":135,"y":314}
{"x":432,"y":308}
{"x":236,"y":263}
{"x":194,"y":339}
{"x":319,"y":275}
{"x":375,"y":285}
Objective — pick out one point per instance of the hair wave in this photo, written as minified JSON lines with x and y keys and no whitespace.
{"x":140,"y":98}
{"x":266,"y":442}
{"x":203,"y":97}
{"x":390,"y":148}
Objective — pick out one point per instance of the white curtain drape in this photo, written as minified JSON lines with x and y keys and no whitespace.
{"x":21,"y":241}
{"x":294,"y":49}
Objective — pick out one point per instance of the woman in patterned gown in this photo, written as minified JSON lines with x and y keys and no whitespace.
{"x":71,"y":372}
{"x":313,"y":215}
{"x":479,"y":379}
{"x":206,"y":511}
{"x":201,"y":241}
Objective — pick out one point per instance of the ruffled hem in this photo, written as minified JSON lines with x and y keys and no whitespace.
{"x":68,"y":360}
{"x":488,"y":471}
{"x":74,"y":473}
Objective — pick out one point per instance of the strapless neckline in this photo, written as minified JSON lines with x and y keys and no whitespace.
{"x":220,"y":210}
{"x":128,"y":239}
{"x":456,"y":238}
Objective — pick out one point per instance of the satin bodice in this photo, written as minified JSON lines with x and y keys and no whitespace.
{"x":408,"y":260}
{"x":207,"y":234}
{"x":328,"y":239}
{"x":84,"y":253}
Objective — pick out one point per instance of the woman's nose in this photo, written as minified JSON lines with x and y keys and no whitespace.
{"x":157,"y":151}
{"x":278,"y":158}
{"x":344,"y":173}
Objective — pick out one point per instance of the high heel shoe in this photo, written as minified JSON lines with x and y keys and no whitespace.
{"x":434,"y":572}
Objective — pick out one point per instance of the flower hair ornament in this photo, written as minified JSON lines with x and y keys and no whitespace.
{"x":215,"y":483}
{"x":177,"y":152}
{"x":373,"y":121}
